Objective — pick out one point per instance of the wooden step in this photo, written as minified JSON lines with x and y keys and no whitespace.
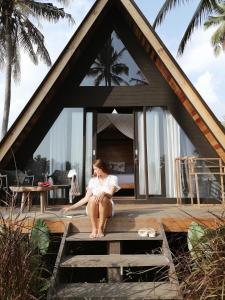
{"x":114,"y":260}
{"x":111,"y":236}
{"x":123,"y":290}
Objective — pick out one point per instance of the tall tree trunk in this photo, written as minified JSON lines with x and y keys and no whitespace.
{"x":8,"y":78}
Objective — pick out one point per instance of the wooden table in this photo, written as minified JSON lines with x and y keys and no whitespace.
{"x":26,"y":194}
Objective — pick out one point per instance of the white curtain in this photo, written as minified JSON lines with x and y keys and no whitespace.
{"x":171,"y":150}
{"x":76,"y":147}
{"x":141,"y":157}
{"x":153,"y":120}
{"x":57,"y":141}
{"x":89,"y":147}
{"x":103,"y":122}
{"x":123,"y":122}
{"x":63,"y":144}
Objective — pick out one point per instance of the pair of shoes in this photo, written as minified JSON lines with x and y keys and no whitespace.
{"x":147,"y":232}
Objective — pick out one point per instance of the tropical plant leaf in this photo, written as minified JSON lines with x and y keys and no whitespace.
{"x":195,"y":234}
{"x":40,"y":236}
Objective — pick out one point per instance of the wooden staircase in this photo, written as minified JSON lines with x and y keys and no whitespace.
{"x":117,"y":266}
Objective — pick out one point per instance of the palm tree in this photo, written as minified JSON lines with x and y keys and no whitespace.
{"x":139,"y":79}
{"x":18,"y":32}
{"x":108,"y":68}
{"x":218,"y":38}
{"x":204,"y":8}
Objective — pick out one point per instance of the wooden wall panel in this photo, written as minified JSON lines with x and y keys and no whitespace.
{"x":136,"y":96}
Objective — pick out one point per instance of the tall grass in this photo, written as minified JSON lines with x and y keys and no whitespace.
{"x":21,"y":266}
{"x":202,"y":269}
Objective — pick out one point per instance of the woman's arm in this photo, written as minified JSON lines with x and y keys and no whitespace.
{"x":79,"y":203}
{"x":109,"y":194}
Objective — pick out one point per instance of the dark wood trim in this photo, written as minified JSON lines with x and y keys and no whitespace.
{"x":95,"y":125}
{"x":131,"y":96}
{"x":135,"y":156}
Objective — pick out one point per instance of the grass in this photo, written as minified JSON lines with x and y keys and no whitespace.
{"x":21,"y":264}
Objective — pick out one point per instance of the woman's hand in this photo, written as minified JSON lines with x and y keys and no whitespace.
{"x":64,"y":210}
{"x":101,"y":196}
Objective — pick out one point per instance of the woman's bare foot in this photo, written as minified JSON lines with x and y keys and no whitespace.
{"x":93,"y":234}
{"x":100,"y":233}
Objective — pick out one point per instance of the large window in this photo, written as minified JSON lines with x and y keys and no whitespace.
{"x":165,"y":141}
{"x":62,"y":147}
{"x":114,"y":66}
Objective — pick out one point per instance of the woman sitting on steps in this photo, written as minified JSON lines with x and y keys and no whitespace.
{"x":100,"y":190}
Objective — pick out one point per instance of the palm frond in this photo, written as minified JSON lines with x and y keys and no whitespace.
{"x":120,"y":69}
{"x":204,"y":8}
{"x":213,"y":21}
{"x":218,"y":37}
{"x":48,"y":11}
{"x":94,"y":71}
{"x":118,"y":80}
{"x":117,"y":56}
{"x":16,"y":65}
{"x":98,"y":80}
{"x":37,"y":39}
{"x":167,"y":6}
{"x":25,"y":41}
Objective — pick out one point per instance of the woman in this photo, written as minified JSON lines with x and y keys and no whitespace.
{"x":100,"y":190}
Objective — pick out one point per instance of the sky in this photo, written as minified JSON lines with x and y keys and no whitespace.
{"x":206,"y":72}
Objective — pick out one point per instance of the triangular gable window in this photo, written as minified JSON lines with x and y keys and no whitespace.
{"x":114,"y":66}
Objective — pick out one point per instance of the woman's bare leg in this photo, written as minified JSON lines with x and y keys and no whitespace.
{"x":105,"y":211}
{"x":93,"y":209}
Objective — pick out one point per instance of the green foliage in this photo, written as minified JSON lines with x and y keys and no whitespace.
{"x":203,"y":10}
{"x":202,"y":270}
{"x":195,"y":235}
{"x":40,"y":236}
{"x":21,"y":265}
{"x":218,"y":20}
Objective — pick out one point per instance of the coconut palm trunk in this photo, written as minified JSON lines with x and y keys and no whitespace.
{"x":18,"y":32}
{"x":8,"y":79}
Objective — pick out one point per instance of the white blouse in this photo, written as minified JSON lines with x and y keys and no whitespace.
{"x":96,"y":187}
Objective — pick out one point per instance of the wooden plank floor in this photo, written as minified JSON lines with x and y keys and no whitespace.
{"x":130,"y":217}
{"x":115,"y":260}
{"x":125,"y":290}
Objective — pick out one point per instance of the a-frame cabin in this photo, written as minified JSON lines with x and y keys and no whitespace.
{"x":115,"y":92}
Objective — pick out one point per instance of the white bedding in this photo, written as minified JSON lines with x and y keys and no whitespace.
{"x":125,"y":178}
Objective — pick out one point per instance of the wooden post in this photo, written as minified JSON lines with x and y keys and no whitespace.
{"x":221,"y":180}
{"x":114,"y":274}
{"x":43,"y":201}
{"x":177,"y":173}
{"x":197,"y":189}
{"x":189,"y":162}
{"x":23,"y":201}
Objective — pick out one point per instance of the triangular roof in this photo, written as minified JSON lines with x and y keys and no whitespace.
{"x":153,"y":46}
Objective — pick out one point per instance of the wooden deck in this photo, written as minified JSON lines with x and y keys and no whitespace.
{"x":131,"y":217}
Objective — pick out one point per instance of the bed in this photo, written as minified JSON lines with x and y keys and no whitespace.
{"x":126,"y":181}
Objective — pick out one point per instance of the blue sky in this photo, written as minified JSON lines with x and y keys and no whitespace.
{"x":206,"y":72}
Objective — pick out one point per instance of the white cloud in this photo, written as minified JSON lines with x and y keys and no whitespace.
{"x":199,"y":55}
{"x":206,"y":85}
{"x":206,"y":71}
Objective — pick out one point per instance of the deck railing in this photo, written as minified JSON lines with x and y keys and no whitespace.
{"x":198,"y":178}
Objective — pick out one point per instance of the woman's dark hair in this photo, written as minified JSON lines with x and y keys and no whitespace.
{"x":101,"y":164}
